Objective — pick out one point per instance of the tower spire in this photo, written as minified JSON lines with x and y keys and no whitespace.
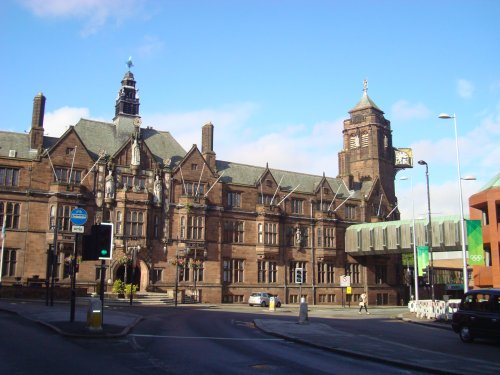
{"x":127,"y":102}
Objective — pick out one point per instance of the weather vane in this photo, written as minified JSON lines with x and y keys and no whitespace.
{"x":130,"y":63}
{"x":365,"y":86}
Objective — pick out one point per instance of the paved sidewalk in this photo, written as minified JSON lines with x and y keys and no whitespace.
{"x":57,"y":317}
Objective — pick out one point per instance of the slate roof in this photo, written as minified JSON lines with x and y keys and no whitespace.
{"x":249,"y":175}
{"x":364,"y":103}
{"x":99,"y":136}
{"x":20,"y":142}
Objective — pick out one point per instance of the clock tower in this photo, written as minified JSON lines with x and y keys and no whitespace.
{"x":367,"y":153}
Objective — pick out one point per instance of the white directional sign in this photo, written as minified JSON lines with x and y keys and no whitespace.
{"x":77,"y":228}
{"x":345,"y":281}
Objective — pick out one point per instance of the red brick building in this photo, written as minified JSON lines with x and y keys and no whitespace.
{"x":223,"y":229}
{"x":485,"y":206}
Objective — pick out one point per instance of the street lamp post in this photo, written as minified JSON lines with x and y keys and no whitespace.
{"x":462,"y":221}
{"x":429,"y":230}
{"x":415,"y":261}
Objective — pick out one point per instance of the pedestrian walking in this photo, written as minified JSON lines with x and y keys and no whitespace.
{"x":363,"y":302}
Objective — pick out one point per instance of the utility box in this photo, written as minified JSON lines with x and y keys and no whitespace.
{"x":94,"y":315}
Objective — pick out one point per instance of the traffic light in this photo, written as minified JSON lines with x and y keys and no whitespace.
{"x":299,"y":275}
{"x":99,"y":244}
{"x":103,"y":240}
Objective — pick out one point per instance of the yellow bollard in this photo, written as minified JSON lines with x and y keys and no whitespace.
{"x":94,"y":315}
{"x":272,"y":304}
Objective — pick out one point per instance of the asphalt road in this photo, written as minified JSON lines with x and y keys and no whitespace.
{"x":200,"y":341}
{"x":222,"y":339}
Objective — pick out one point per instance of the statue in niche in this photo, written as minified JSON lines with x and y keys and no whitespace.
{"x":298,"y":236}
{"x":136,"y":153}
{"x":157,"y":190}
{"x":109,"y":189}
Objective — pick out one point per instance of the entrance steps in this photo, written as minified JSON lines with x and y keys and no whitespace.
{"x":145,"y":298}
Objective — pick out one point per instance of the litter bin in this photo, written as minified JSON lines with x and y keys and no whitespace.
{"x":94,"y":315}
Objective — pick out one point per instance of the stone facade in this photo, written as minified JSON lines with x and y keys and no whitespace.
{"x":220,"y":231}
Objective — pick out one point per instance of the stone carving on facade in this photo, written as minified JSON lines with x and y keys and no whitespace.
{"x":157,"y":191}
{"x":136,"y":153}
{"x":298,"y":237}
{"x":110,"y":185}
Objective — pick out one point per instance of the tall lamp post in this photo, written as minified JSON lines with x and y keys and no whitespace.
{"x":415,"y":261}
{"x":446,"y":116}
{"x":429,"y":230}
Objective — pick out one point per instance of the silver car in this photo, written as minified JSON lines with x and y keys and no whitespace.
{"x":262,"y":299}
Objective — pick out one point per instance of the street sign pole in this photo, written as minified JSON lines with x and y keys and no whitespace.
{"x":78,"y":218}
{"x":73,"y":281}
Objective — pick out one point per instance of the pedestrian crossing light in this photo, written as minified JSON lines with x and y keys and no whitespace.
{"x":299,"y":275}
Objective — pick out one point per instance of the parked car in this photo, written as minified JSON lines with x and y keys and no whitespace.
{"x":263,"y":299}
{"x":478,"y":315}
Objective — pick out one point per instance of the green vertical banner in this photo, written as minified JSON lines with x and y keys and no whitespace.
{"x":423,"y":259}
{"x":475,"y":242}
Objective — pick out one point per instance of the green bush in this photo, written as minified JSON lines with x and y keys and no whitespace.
{"x":118,"y":287}
{"x":130,"y":288}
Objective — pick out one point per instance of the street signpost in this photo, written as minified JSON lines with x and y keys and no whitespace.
{"x":78,"y":218}
{"x":77,"y":229}
{"x":345,"y":282}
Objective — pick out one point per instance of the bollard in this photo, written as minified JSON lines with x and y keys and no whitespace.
{"x":94,"y":315}
{"x":272,"y":304}
{"x":303,"y":317}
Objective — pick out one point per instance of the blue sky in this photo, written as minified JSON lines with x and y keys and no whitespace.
{"x":276,"y":78}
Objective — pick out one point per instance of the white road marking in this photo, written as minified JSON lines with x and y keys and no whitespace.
{"x":201,"y":337}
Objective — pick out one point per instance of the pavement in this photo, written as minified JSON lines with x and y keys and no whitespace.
{"x":304,"y":331}
{"x":57,"y":317}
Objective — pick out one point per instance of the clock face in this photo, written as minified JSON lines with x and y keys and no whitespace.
{"x":137,"y":121}
{"x":402,"y":158}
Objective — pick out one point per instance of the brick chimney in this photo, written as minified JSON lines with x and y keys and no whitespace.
{"x":36,"y":131}
{"x":207,"y":144}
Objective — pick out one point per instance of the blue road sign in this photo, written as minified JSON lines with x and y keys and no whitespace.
{"x":78,"y":216}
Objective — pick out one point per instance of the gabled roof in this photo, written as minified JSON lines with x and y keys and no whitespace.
{"x":249,"y":175}
{"x":98,"y":136}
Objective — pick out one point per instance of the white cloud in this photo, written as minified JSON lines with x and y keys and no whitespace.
{"x":465,"y":89}
{"x":403,"y":110}
{"x":444,"y":198}
{"x":95,"y":12}
{"x":185,"y":127}
{"x":298,"y":147}
{"x":57,"y":122}
{"x":479,"y":155}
